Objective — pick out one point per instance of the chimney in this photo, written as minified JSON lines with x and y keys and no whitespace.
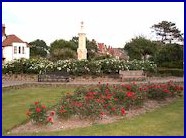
{"x":3,"y":30}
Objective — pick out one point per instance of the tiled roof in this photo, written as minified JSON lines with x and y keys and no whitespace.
{"x":11,"y":39}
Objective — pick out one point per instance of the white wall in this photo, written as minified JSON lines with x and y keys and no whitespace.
{"x":8,"y":53}
{"x":21,"y":55}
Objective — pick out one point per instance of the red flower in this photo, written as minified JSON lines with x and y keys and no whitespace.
{"x":128,"y":87}
{"x":140,"y":89}
{"x":113,"y":108}
{"x":38,"y":110}
{"x":108,"y":96}
{"x":123,"y":111}
{"x":100,"y":100}
{"x":107,"y":91}
{"x":52,"y":113}
{"x":36,"y":103}
{"x":122,"y":85}
{"x":78,"y":104}
{"x":62,"y":111}
{"x":181,"y":88}
{"x":166,"y":91}
{"x":105,"y":106}
{"x":50,"y":119}
{"x":115,"y":99}
{"x":130,"y":94}
{"x":102,"y":114}
{"x":43,"y":106}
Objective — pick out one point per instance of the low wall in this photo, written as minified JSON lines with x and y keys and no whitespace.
{"x":19,"y":77}
{"x":33,"y":77}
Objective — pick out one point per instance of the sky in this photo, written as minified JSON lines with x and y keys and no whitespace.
{"x":112,"y":23}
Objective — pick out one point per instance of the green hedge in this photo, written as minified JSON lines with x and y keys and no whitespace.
{"x":76,"y":67}
{"x":173,"y":64}
{"x":170,"y":72}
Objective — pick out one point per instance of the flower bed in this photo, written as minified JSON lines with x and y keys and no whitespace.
{"x":104,"y":99}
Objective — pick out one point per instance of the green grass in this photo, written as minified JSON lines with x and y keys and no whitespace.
{"x":167,"y":120}
{"x":16,"y":102}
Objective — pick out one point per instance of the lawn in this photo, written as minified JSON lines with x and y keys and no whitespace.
{"x":16,"y":102}
{"x":167,"y":120}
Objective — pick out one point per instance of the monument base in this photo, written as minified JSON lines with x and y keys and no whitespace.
{"x":82,"y":53}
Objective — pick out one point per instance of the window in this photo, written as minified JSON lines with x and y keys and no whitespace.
{"x":15,"y":49}
{"x":19,"y":50}
{"x":23,"y":50}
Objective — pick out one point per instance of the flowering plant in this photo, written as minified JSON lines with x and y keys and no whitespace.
{"x":76,"y":67}
{"x":37,"y":113}
{"x":104,"y":99}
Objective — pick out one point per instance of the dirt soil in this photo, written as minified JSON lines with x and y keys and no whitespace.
{"x":75,"y":122}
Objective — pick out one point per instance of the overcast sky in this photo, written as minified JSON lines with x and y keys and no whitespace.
{"x":111,"y":23}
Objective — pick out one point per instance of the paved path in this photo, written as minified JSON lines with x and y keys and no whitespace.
{"x":152,"y":80}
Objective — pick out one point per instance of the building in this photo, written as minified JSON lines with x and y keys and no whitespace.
{"x":13,"y":47}
{"x":117,"y":53}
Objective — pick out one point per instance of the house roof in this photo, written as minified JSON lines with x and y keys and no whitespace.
{"x":11,"y":39}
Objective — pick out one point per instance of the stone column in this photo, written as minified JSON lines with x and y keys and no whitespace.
{"x":82,"y":51}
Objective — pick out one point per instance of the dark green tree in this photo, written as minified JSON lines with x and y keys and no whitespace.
{"x":167,"y":31}
{"x":63,"y":54}
{"x":170,"y":55}
{"x":139,"y":48}
{"x":59,"y":47}
{"x":38,"y":48}
{"x":92,"y":49}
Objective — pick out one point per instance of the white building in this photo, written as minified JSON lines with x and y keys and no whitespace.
{"x":13,"y":47}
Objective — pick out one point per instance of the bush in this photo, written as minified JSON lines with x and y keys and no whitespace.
{"x":104,"y":99}
{"x":170,"y":72}
{"x":76,"y":67}
{"x":161,"y":91}
{"x":172,"y":64}
{"x":37,"y":112}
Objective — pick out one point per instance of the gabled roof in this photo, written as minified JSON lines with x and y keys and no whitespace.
{"x":11,"y":39}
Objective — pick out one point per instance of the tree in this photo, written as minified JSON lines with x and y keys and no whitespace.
{"x":59,"y":47}
{"x":170,"y":55}
{"x":167,"y":31}
{"x":38,"y":48}
{"x":63,"y":54}
{"x":139,"y":48}
{"x":92,"y":49}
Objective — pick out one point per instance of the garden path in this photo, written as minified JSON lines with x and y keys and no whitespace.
{"x":151,"y":79}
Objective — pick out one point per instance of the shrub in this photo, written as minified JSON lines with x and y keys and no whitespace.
{"x":104,"y":99}
{"x":76,"y":67}
{"x":172,"y":64}
{"x":37,"y":112}
{"x":161,"y":91}
{"x":170,"y":72}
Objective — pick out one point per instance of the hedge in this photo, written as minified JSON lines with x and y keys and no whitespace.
{"x":170,"y":72}
{"x":76,"y":67}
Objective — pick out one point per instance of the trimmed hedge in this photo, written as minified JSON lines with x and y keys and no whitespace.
{"x":173,"y":64}
{"x":76,"y":67}
{"x":170,"y":72}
